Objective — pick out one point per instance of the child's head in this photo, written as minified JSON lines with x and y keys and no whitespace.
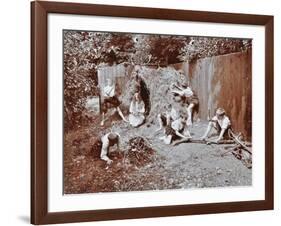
{"x":177,"y":98}
{"x":220,"y":112}
{"x":112,"y":136}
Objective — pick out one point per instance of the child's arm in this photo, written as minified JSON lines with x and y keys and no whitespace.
{"x":180,"y":135}
{"x":179,"y":92}
{"x":220,"y":136}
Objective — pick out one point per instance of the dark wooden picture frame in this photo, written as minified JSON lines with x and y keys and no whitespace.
{"x":39,"y":109}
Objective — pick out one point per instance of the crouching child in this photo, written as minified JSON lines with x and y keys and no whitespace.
{"x":176,"y":130}
{"x":137,"y":110}
{"x":109,"y":140}
{"x":221,"y":123}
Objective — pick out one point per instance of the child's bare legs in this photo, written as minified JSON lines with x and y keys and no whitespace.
{"x":166,"y":139}
{"x":102,"y":120}
{"x":103,"y":155}
{"x":189,"y":114}
{"x":186,"y":133}
{"x":210,"y":126}
{"x":160,"y":121}
{"x":121,"y":114}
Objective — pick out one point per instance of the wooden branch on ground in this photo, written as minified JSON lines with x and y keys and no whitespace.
{"x":239,"y":142}
{"x":220,"y":142}
{"x":234,"y":140}
{"x":197,"y":141}
{"x":232,"y":149}
{"x":184,"y":140}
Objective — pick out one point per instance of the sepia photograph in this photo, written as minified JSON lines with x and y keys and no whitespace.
{"x":147,"y":112}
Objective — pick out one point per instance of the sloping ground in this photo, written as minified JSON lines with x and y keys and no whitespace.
{"x":189,"y":164}
{"x":169,"y":167}
{"x":199,"y":165}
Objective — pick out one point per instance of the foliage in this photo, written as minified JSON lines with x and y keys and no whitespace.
{"x":201,"y":47}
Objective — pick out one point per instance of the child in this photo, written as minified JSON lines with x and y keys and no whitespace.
{"x":176,"y":131}
{"x":110,"y":100}
{"x":108,"y":140}
{"x":166,"y":117}
{"x":188,"y":97}
{"x":137,"y":110}
{"x":219,"y":122}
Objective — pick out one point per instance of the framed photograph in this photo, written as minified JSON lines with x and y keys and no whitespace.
{"x":147,"y":112}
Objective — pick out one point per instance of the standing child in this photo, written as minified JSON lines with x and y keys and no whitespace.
{"x":110,"y":101}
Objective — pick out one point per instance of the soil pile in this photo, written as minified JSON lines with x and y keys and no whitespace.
{"x":85,"y":172}
{"x":158,"y":83}
{"x":139,"y":152}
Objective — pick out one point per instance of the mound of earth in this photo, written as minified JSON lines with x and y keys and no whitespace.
{"x":158,"y":83}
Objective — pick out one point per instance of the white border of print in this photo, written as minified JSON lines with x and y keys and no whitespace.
{"x":59,"y":202}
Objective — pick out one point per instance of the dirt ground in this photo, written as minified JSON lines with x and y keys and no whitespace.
{"x":158,"y":166}
{"x":153,"y":165}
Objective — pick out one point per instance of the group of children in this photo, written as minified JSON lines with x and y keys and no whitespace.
{"x":175,"y":124}
{"x":137,"y":107}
